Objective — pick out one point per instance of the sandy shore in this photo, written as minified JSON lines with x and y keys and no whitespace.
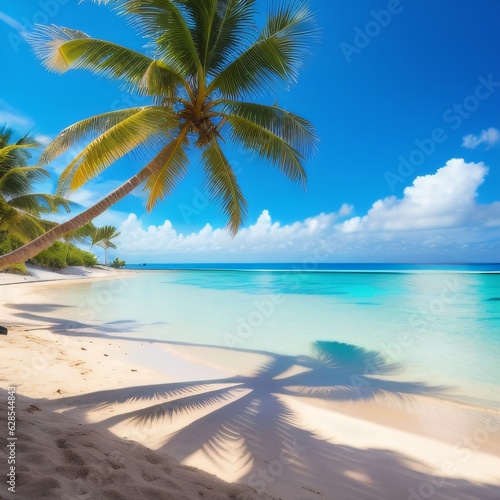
{"x":100,"y":413}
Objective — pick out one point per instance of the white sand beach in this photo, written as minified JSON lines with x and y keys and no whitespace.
{"x":103,"y":415}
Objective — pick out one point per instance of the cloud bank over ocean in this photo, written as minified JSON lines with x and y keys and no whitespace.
{"x":437,"y":215}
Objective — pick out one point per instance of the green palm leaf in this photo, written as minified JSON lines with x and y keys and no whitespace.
{"x":36,"y":204}
{"x":85,"y":129}
{"x":18,"y":225}
{"x":296,"y":131}
{"x":265,"y":131}
{"x":160,"y":81}
{"x":168,"y":168}
{"x":61,"y":49}
{"x":274,"y":58}
{"x":19,"y":208}
{"x":82,"y":234}
{"x":221,"y":28}
{"x":221,"y":182}
{"x":147,"y":127}
{"x":163,"y":22}
{"x":10,"y":151}
{"x":18,"y":180}
{"x":102,"y":236}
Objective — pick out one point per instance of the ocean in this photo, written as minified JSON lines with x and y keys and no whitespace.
{"x":434,"y":324}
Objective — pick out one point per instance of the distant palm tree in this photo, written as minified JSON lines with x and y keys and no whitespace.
{"x":102,"y":238}
{"x":207,"y":62}
{"x":20,"y":208}
{"x":80,"y":235}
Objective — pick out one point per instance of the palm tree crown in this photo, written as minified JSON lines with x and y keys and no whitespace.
{"x":206,"y":64}
{"x":102,"y":238}
{"x":20,"y":209}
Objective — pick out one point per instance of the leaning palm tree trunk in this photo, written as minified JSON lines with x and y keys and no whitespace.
{"x":211,"y":58}
{"x":43,"y":242}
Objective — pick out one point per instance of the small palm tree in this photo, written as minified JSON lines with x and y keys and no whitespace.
{"x":102,"y":238}
{"x":81,"y":235}
{"x":20,"y":209}
{"x":206,"y":64}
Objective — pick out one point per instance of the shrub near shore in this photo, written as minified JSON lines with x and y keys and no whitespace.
{"x":57,"y":256}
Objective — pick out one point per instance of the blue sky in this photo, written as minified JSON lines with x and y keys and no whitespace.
{"x":405,"y":96}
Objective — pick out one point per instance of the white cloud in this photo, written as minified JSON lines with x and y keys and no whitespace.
{"x":43,"y":140}
{"x":265,"y":236}
{"x":442,"y":200}
{"x":438,"y":216}
{"x":15,"y":119}
{"x":489,"y":137}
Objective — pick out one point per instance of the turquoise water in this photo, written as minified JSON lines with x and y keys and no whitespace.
{"x":441,"y":326}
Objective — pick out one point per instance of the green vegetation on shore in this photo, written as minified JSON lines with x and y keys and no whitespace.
{"x":21,"y":212}
{"x":58,"y":256}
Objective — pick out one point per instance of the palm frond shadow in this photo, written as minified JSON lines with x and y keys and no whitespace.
{"x":234,"y":420}
{"x":38,"y":313}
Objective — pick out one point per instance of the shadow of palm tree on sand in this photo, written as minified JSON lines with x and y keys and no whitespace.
{"x":248,"y":428}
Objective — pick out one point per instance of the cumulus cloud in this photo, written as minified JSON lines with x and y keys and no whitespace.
{"x":437,"y":216}
{"x":263,"y":237}
{"x":489,"y":137}
{"x":442,"y":200}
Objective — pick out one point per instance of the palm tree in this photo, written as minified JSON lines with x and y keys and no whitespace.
{"x":206,"y":67}
{"x":102,"y":238}
{"x":20,"y":209}
{"x":80,"y":235}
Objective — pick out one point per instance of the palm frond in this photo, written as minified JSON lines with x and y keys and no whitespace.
{"x":19,"y":225}
{"x":162,"y":21}
{"x":102,"y":236}
{"x":82,"y":234}
{"x":168,"y":168}
{"x":299,"y":133}
{"x":221,"y":28}
{"x":18,"y":180}
{"x":159,"y":80}
{"x":221,"y":183}
{"x":61,"y":49}
{"x":36,"y":204}
{"x":84,"y":130}
{"x":10,"y":151}
{"x":267,"y":133}
{"x":25,"y":228}
{"x":274,"y":58}
{"x":147,"y":127}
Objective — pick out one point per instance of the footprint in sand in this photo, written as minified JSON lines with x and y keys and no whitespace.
{"x":73,"y":472}
{"x":73,"y":458}
{"x":62,"y":443}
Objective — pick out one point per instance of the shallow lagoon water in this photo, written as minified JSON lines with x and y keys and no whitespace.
{"x":441,"y":327}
